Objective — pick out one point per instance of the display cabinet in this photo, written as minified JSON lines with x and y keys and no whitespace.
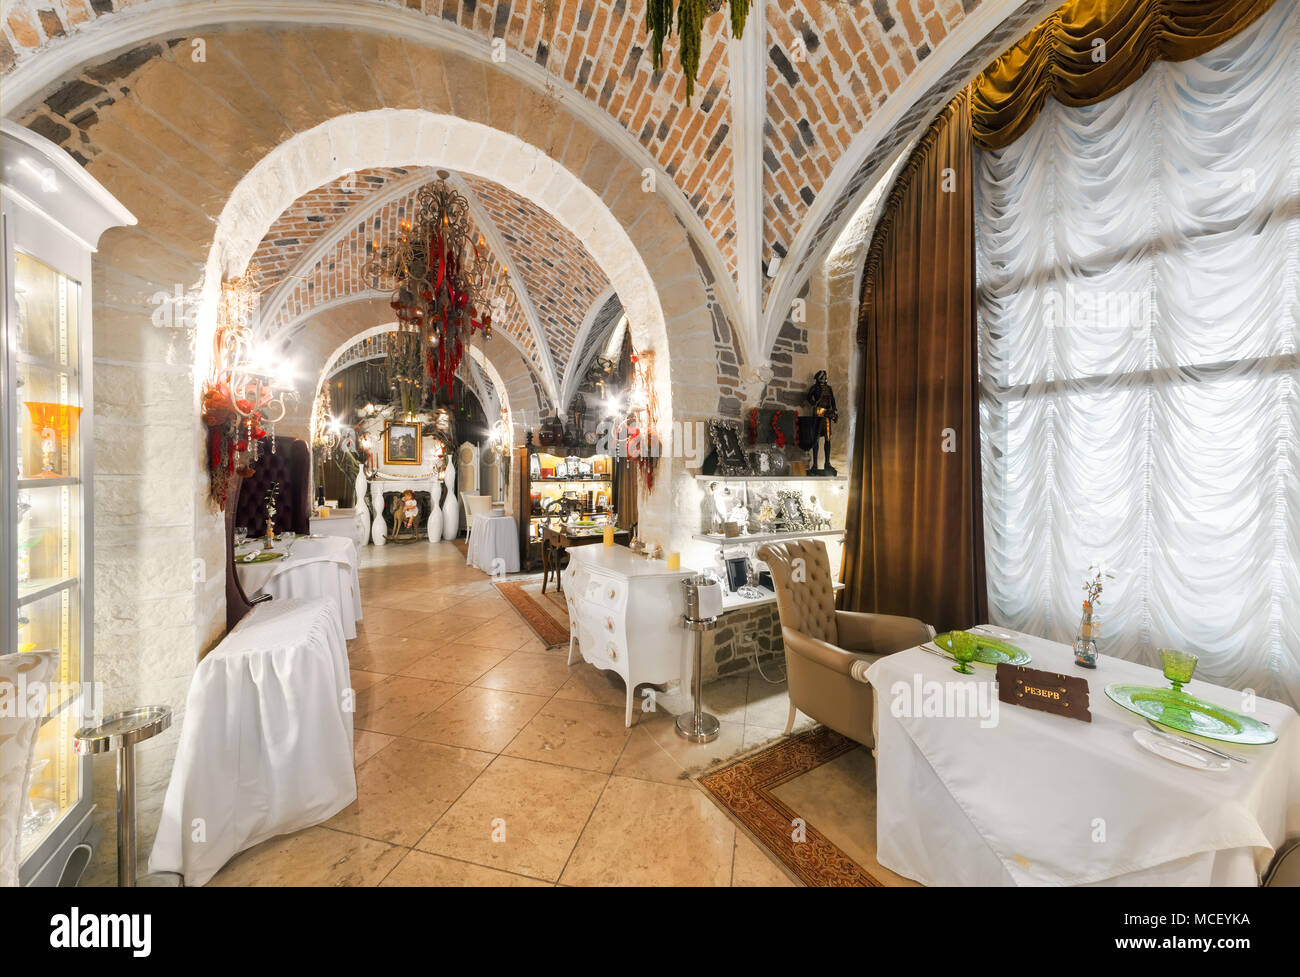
{"x":51,"y":217}
{"x":575,"y":474}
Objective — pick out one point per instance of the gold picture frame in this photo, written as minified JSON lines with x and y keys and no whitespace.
{"x":403,"y":442}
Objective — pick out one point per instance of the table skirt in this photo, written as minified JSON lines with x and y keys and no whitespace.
{"x":266,"y":740}
{"x":495,"y":538}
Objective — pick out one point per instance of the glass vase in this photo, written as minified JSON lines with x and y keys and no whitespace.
{"x":1085,"y":642}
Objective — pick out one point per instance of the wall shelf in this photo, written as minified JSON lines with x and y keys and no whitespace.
{"x":828,"y":479}
{"x":752,"y":538}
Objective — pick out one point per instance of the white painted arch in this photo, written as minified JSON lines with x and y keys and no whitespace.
{"x":414,"y":137}
{"x":475,"y":354}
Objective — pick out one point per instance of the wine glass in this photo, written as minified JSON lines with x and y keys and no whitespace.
{"x":241,"y":536}
{"x":1178,"y":666}
{"x":964,"y":646}
{"x":288,"y":537}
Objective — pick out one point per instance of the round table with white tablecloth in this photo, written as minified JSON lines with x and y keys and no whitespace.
{"x":495,"y":538}
{"x":325,"y":567}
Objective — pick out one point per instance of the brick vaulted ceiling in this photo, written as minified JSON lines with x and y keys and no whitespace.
{"x":312,"y":256}
{"x":747,"y":190}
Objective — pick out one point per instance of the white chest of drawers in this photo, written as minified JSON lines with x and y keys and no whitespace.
{"x":625,"y":615}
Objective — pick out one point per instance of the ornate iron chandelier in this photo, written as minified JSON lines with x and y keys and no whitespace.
{"x":439,"y":277}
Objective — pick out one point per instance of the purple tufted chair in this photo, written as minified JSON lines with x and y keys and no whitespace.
{"x":290,"y":465}
{"x":827,"y":651}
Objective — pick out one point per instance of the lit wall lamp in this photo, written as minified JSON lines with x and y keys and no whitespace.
{"x":247,"y":391}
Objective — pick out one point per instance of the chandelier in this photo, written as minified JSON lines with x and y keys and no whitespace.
{"x":440,"y":280}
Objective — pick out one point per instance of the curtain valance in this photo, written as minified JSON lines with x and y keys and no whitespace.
{"x":1090,"y":50}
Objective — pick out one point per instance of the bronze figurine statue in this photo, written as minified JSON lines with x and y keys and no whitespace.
{"x":822,"y":399}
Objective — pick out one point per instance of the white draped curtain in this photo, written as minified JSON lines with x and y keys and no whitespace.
{"x":1138,"y":263}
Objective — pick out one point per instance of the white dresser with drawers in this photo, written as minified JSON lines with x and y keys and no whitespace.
{"x":625,"y":615}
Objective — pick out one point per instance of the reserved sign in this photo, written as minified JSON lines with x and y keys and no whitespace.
{"x":1063,"y":695}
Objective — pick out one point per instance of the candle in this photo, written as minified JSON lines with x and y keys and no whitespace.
{"x":674,"y":561}
{"x":608,"y":532}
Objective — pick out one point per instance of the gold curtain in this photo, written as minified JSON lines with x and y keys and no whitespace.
{"x":625,"y":482}
{"x":915,"y":521}
{"x":1089,"y":50}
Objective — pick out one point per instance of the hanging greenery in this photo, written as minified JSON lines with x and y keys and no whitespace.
{"x":690,"y":28}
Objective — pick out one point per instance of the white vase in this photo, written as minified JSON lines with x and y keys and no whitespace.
{"x":378,"y":531}
{"x":450,"y":507}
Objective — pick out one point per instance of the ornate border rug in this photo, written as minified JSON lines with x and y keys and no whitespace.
{"x":745,"y":788}
{"x":552,"y":632}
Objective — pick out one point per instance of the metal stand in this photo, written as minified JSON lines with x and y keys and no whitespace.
{"x":122,"y":732}
{"x":698,"y":726}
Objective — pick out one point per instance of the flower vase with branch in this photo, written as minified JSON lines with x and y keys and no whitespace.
{"x":269,"y":503}
{"x":1085,"y":642}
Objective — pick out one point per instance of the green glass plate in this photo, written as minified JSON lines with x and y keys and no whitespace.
{"x":260,"y":558}
{"x":1187,"y":714}
{"x":991,"y":651}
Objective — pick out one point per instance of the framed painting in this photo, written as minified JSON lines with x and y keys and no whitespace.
{"x":402,"y":443}
{"x":725,"y":436}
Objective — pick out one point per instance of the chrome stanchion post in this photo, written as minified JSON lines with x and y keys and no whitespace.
{"x":121,"y":732}
{"x":697,"y":726}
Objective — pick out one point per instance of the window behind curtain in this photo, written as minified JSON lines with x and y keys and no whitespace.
{"x":1138,"y":265}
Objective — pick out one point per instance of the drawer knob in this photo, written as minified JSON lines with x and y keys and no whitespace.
{"x":609,"y":624}
{"x":613,"y":653}
{"x":612,"y":593}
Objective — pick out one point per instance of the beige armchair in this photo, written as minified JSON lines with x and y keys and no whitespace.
{"x":828,"y":652}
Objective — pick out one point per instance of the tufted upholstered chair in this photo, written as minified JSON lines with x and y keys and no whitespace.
{"x":827,"y":652}
{"x":290,"y":465}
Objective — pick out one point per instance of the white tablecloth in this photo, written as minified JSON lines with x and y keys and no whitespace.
{"x":1039,"y":799}
{"x":266,"y":740}
{"x":313,"y":568}
{"x":495,"y":537}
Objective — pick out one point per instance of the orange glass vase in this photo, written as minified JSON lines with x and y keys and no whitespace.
{"x":53,"y":422}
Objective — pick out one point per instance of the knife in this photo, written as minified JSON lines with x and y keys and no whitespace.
{"x":1195,"y":745}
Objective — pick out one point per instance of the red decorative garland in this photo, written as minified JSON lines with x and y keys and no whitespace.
{"x":780,"y":438}
{"x":753,"y":426}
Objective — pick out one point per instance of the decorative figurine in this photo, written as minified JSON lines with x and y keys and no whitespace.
{"x":822,"y":399}
{"x":818,"y":517}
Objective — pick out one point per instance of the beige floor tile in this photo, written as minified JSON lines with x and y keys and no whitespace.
{"x":405,"y":787}
{"x":537,"y":810}
{"x":753,"y":866}
{"x":390,"y":622}
{"x":457,"y":662}
{"x":313,"y":856}
{"x":644,"y":833}
{"x":398,"y":702}
{"x":504,"y":633}
{"x":387,"y":655}
{"x":478,"y":719}
{"x":366,"y":744}
{"x":363,"y":680}
{"x":576,"y":734}
{"x":419,"y":868}
{"x":654,"y":751}
{"x":839,"y":799}
{"x":590,"y":684}
{"x":537,"y":673}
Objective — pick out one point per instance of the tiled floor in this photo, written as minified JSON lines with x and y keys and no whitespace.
{"x":483,"y":759}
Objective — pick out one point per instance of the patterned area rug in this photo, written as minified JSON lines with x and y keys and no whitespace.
{"x":549,"y":620}
{"x":746,"y":789}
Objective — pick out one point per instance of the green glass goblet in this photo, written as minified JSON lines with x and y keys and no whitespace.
{"x":1178,"y":665}
{"x":964,"y":646}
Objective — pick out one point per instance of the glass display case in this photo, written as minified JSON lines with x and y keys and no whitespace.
{"x":51,"y":215}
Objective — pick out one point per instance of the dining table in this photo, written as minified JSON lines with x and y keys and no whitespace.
{"x":305,"y":567}
{"x":975,"y":791}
